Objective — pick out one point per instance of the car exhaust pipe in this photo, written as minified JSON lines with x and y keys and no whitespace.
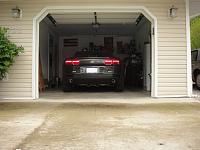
{"x":70,"y":80}
{"x":113,"y":81}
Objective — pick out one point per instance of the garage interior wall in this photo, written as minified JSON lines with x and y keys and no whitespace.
{"x":172,"y":43}
{"x":143,"y":34}
{"x":45,"y":31}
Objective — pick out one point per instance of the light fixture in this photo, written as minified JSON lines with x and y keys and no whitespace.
{"x":95,"y":24}
{"x":172,"y":12}
{"x":16,"y":12}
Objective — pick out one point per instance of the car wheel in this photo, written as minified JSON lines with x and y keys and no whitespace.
{"x":67,"y":87}
{"x":197,"y":81}
{"x":119,"y":86}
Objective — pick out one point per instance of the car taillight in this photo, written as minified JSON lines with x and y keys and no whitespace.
{"x":110,"y":61}
{"x":74,"y":62}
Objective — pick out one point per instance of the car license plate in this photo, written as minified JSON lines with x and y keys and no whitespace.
{"x":91,"y":70}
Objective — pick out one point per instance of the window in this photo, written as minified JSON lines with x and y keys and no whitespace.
{"x":70,"y":42}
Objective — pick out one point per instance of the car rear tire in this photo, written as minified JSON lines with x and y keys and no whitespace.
{"x":119,"y":86}
{"x":67,"y":87}
{"x":197,"y":81}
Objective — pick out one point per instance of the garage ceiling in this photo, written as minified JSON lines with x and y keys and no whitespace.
{"x":81,"y":24}
{"x":104,"y":29}
{"x":102,"y":17}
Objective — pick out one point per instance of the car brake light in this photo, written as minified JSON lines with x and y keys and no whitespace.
{"x":115,"y":62}
{"x":74,"y":62}
{"x":110,"y":61}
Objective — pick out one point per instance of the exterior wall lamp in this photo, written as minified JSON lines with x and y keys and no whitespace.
{"x":172,"y":13}
{"x":16,"y":12}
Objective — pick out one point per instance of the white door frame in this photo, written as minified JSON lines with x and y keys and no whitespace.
{"x":69,"y":9}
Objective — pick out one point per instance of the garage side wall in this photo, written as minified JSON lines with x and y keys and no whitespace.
{"x":172,"y":45}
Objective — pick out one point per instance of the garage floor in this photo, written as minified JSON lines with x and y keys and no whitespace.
{"x":94,"y":93}
{"x":99,"y":126}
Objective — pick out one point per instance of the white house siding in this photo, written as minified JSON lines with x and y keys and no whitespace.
{"x":194,"y":7}
{"x":172,"y":48}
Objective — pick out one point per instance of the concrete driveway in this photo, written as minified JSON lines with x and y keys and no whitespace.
{"x":99,"y":126}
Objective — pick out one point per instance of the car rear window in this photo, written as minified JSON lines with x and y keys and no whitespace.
{"x":93,"y":54}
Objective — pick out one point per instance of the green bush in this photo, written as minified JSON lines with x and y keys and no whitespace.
{"x":195,"y":32}
{"x":8,"y":51}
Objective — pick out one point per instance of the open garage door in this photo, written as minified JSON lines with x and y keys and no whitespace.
{"x":126,"y":36}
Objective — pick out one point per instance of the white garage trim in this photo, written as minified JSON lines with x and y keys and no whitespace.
{"x":189,"y":63}
{"x":67,"y":9}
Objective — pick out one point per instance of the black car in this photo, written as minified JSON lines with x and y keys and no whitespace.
{"x":93,"y":69}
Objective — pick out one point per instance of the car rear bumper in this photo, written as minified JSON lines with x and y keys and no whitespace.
{"x":91,"y":79}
